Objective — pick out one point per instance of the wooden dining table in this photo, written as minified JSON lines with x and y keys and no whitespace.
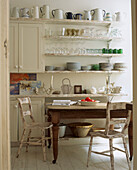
{"x":98,"y":111}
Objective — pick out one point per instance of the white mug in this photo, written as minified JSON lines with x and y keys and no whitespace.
{"x":35,"y":12}
{"x":57,"y":13}
{"x":45,"y":11}
{"x":15,"y":12}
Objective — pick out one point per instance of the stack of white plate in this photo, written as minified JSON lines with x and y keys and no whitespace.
{"x":73,"y":66}
{"x":120,"y":66}
{"x":105,"y":66}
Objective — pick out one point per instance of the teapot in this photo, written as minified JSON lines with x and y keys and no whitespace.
{"x":66,"y":88}
{"x":98,"y":14}
{"x":87,"y":15}
{"x":25,"y":12}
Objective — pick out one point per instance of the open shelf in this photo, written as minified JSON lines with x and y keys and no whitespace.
{"x":66,"y":21}
{"x":60,"y":37}
{"x":90,"y":71}
{"x":84,"y":55}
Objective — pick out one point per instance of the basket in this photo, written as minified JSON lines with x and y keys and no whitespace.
{"x":80,"y":129}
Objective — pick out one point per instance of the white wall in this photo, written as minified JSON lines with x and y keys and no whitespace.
{"x":88,"y":80}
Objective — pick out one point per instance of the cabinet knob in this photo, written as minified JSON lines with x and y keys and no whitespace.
{"x":16,"y":106}
{"x":20,"y":67}
{"x":16,"y":66}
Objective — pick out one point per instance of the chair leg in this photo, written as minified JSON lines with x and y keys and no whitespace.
{"x":43,"y":144}
{"x":28,"y":138}
{"x":21,"y":142}
{"x":111,"y":153}
{"x":126,"y":151}
{"x":89,"y":150}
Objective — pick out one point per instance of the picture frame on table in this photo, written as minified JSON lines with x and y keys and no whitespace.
{"x":78,"y":89}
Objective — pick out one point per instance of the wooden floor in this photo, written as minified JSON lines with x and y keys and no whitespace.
{"x":71,"y":157}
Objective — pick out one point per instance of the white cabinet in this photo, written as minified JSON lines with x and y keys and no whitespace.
{"x":14,"y":47}
{"x":29,"y":47}
{"x":16,"y":125}
{"x":14,"y":121}
{"x":25,"y":47}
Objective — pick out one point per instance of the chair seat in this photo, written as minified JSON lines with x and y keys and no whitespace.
{"x":44,"y":125}
{"x":111,"y":134}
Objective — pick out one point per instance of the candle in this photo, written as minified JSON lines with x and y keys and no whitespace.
{"x":51,"y":82}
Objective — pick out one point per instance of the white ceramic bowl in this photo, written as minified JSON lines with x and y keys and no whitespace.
{"x":89,"y":103}
{"x":73,"y":66}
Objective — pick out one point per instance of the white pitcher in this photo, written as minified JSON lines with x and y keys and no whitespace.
{"x":57,"y":13}
{"x":35,"y":12}
{"x":98,"y":14}
{"x":15,"y":12}
{"x":45,"y":11}
{"x":120,"y":16}
{"x":87,"y":15}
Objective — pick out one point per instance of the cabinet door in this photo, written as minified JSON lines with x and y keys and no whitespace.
{"x":14,"y":121}
{"x":13,"y":47}
{"x":38,"y":114}
{"x":29,"y":47}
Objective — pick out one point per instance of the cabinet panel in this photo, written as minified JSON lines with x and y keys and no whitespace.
{"x":38,"y":114}
{"x":13,"y":121}
{"x":13,"y":47}
{"x":29,"y":47}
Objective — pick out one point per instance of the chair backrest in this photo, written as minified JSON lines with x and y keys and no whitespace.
{"x":112,"y":121}
{"x":25,"y":109}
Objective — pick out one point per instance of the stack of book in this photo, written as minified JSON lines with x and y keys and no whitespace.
{"x":63,"y":102}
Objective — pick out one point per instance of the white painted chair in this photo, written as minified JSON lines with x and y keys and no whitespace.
{"x":111,"y":134}
{"x":32,"y":126}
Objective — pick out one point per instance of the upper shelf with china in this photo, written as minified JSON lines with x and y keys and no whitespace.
{"x":60,"y":37}
{"x":87,"y":55}
{"x":66,"y":21}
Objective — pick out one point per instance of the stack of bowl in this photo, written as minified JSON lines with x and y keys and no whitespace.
{"x":73,"y":66}
{"x":120,"y":66}
{"x":86,"y":68}
{"x":105,"y":66}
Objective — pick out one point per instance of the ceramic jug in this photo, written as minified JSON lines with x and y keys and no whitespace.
{"x":35,"y":12}
{"x":78,"y":16}
{"x":15,"y":12}
{"x":108,"y":17}
{"x":66,"y":88}
{"x":25,"y":12}
{"x":69,"y":15}
{"x":45,"y":11}
{"x":57,"y":14}
{"x":98,"y":14}
{"x":120,"y":16}
{"x":87,"y":15}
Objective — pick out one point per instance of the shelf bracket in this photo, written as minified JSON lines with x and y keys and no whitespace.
{"x":109,"y":29}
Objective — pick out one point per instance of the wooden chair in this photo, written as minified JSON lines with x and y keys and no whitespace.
{"x":26,"y":110}
{"x":111,"y":134}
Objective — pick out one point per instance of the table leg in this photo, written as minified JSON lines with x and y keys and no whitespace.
{"x":130,"y":137}
{"x":55,"y":142}
{"x":49,"y":140}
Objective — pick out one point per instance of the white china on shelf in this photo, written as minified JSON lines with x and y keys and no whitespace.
{"x":87,"y":15}
{"x":98,"y":14}
{"x":58,"y":14}
{"x":120,"y":16}
{"x":35,"y":12}
{"x":45,"y":11}
{"x":25,"y":12}
{"x":15,"y":12}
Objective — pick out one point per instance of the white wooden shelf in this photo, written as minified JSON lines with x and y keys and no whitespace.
{"x":66,"y":21}
{"x":60,"y":37}
{"x":83,"y":55}
{"x":90,"y":71}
